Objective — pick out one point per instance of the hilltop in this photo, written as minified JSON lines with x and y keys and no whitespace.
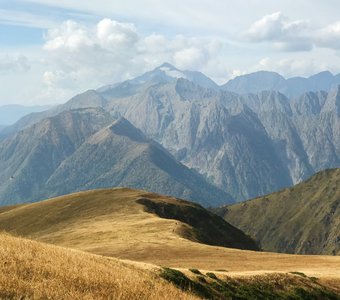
{"x":95,"y":220}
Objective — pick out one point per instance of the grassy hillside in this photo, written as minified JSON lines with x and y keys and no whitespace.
{"x":31,"y":270}
{"x":100,"y":217}
{"x":302,"y":219}
{"x":115,"y":223}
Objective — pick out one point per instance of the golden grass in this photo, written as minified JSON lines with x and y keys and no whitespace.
{"x":111,"y":223}
{"x":32,"y":270}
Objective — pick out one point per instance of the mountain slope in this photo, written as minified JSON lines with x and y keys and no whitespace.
{"x":30,"y":157}
{"x":78,"y":147}
{"x":120,"y":155}
{"x":303,"y":219}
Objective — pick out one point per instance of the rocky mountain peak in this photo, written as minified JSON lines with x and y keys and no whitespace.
{"x":123,"y":127}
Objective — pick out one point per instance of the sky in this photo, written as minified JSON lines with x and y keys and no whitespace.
{"x":50,"y":50}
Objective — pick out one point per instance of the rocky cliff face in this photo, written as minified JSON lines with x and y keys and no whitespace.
{"x":247,"y":145}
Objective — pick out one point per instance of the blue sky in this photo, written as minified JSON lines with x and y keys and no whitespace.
{"x":50,"y":50}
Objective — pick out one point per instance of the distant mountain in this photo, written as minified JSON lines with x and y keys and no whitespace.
{"x":248,"y":145}
{"x":164,"y":74}
{"x":304,"y":219}
{"x":271,"y":81}
{"x":255,"y":82}
{"x":80,"y":147}
{"x":9,"y":114}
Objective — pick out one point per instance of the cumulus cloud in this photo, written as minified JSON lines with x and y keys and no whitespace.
{"x":70,"y":36}
{"x":82,"y":57}
{"x":112,"y":34}
{"x":283,"y":33}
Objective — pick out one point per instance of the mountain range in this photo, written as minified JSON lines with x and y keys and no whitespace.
{"x":292,"y":87}
{"x":304,"y":219}
{"x":87,"y":149}
{"x":247,"y":145}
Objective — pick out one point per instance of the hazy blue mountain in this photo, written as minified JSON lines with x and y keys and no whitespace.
{"x":87,"y":99}
{"x":254,"y":82}
{"x":291,"y":87}
{"x":81,"y":149}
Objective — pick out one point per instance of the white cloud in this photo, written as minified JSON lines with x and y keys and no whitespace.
{"x":284,"y":34}
{"x":70,"y":36}
{"x":82,"y":57}
{"x":329,"y":37}
{"x":112,"y":34}
{"x":270,"y":27}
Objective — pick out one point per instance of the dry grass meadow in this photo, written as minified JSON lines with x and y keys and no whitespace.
{"x":111,"y":223}
{"x":31,"y":270}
